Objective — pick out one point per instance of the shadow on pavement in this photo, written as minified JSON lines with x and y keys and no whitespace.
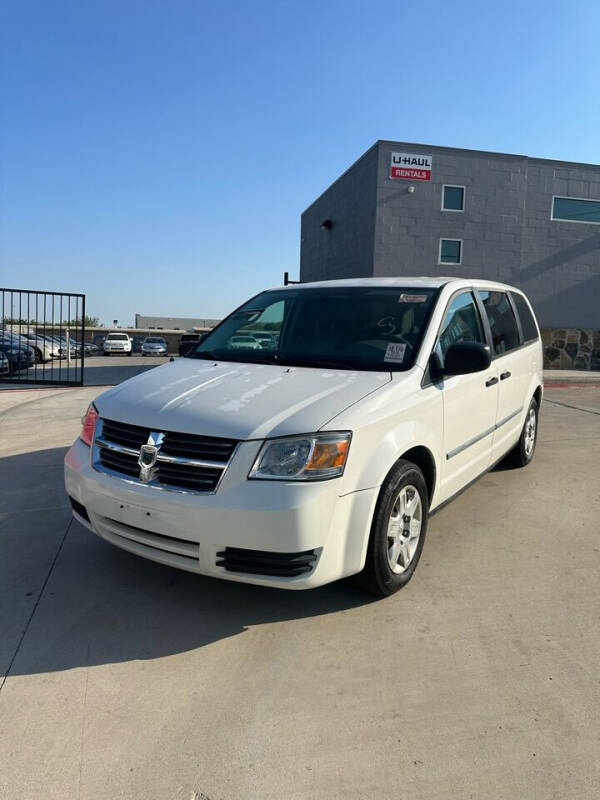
{"x":103,"y":605}
{"x":109,"y":374}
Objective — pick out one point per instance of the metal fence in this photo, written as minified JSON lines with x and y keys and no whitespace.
{"x":42,"y":337}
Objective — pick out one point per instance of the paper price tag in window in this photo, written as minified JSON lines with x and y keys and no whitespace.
{"x":395,"y":353}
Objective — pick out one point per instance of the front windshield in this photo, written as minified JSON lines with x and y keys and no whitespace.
{"x":154,"y":341}
{"x":378,"y":328}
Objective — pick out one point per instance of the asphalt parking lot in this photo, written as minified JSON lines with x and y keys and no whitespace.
{"x":127,"y":679}
{"x":97,"y":371}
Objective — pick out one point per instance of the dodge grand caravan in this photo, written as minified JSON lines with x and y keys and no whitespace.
{"x":322,"y":453}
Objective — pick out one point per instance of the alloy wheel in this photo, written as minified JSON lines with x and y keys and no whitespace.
{"x":404,"y":528}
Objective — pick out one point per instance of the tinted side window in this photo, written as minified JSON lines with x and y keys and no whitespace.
{"x":528,"y":325}
{"x":461,"y":324}
{"x":505,"y":334}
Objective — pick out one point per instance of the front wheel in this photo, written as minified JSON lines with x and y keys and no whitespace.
{"x":523,"y":452}
{"x":397,"y":531}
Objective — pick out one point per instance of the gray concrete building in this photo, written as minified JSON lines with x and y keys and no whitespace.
{"x":173,"y":323}
{"x":413,"y":209}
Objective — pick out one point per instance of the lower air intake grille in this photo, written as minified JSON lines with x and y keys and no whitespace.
{"x":79,"y":508}
{"x":262,"y":562}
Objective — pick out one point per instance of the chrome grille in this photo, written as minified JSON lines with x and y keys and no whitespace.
{"x":127,"y":435}
{"x":184,"y":462}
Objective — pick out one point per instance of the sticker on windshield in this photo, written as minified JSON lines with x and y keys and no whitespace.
{"x":412,"y":298}
{"x":395,"y":353}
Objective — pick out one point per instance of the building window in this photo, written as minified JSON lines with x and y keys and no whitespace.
{"x":453,"y":198}
{"x":575,"y":209}
{"x":450,"y":251}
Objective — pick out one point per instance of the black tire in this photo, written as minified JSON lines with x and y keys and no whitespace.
{"x":377,"y":576}
{"x":521,"y":455}
{"x":38,"y":356}
{"x":129,"y":354}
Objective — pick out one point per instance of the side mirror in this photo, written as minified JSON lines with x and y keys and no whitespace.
{"x":463,"y":358}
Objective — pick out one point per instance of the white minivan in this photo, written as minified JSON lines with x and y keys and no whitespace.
{"x":119,"y":343}
{"x":322,"y":453}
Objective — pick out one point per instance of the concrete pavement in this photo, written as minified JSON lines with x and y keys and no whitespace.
{"x":127,"y":679}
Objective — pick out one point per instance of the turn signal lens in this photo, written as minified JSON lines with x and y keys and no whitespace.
{"x":328,"y":455}
{"x":88,"y":423}
{"x":315,"y":457}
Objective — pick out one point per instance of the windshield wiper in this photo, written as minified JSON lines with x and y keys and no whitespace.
{"x":208,"y":354}
{"x":282,"y":359}
{"x":303,"y":361}
{"x":237,"y":356}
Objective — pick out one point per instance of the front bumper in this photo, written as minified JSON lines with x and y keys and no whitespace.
{"x":189,"y":531}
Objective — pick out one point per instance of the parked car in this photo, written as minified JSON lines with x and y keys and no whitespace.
{"x":44,"y":348}
{"x":118,"y":343}
{"x":136,"y":343}
{"x":324,"y":458}
{"x":266,"y":340}
{"x":244,"y":342}
{"x":4,"y":364}
{"x":154,"y":346}
{"x":20,"y":356}
{"x":59,"y":346}
{"x":189,"y":341}
{"x":89,"y":349}
{"x":73,"y":347}
{"x":98,"y":340}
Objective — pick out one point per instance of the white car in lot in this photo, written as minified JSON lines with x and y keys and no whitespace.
{"x":323,"y":456}
{"x":118,"y":343}
{"x":44,"y":347}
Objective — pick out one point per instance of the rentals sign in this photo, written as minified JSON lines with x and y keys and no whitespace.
{"x":411,"y":166}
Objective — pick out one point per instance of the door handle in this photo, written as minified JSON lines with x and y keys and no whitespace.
{"x":491,"y":381}
{"x":504,"y":376}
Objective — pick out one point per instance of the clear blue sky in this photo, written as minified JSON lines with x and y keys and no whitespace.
{"x":157,"y":155}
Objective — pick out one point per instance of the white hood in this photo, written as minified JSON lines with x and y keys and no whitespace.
{"x":237,"y":401}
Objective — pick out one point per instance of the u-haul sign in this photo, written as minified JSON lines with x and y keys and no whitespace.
{"x":411,"y":167}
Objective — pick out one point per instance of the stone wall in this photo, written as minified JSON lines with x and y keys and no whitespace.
{"x":571,"y":348}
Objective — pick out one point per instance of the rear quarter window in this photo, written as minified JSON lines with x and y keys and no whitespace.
{"x":503,"y":323}
{"x":528,"y":326}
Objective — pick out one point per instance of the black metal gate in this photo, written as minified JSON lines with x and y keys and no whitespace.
{"x":42,"y":337}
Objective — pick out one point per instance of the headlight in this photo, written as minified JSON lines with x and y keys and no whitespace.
{"x":315,"y":457}
{"x":88,"y":423}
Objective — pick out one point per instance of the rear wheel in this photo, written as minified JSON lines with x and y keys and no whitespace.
{"x":523,"y":452}
{"x":37,"y":355}
{"x":397,"y":531}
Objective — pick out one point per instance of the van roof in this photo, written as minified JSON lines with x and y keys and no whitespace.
{"x":400,"y":281}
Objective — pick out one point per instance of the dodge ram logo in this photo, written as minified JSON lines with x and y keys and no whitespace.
{"x":147,"y":460}
{"x":149,"y":455}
